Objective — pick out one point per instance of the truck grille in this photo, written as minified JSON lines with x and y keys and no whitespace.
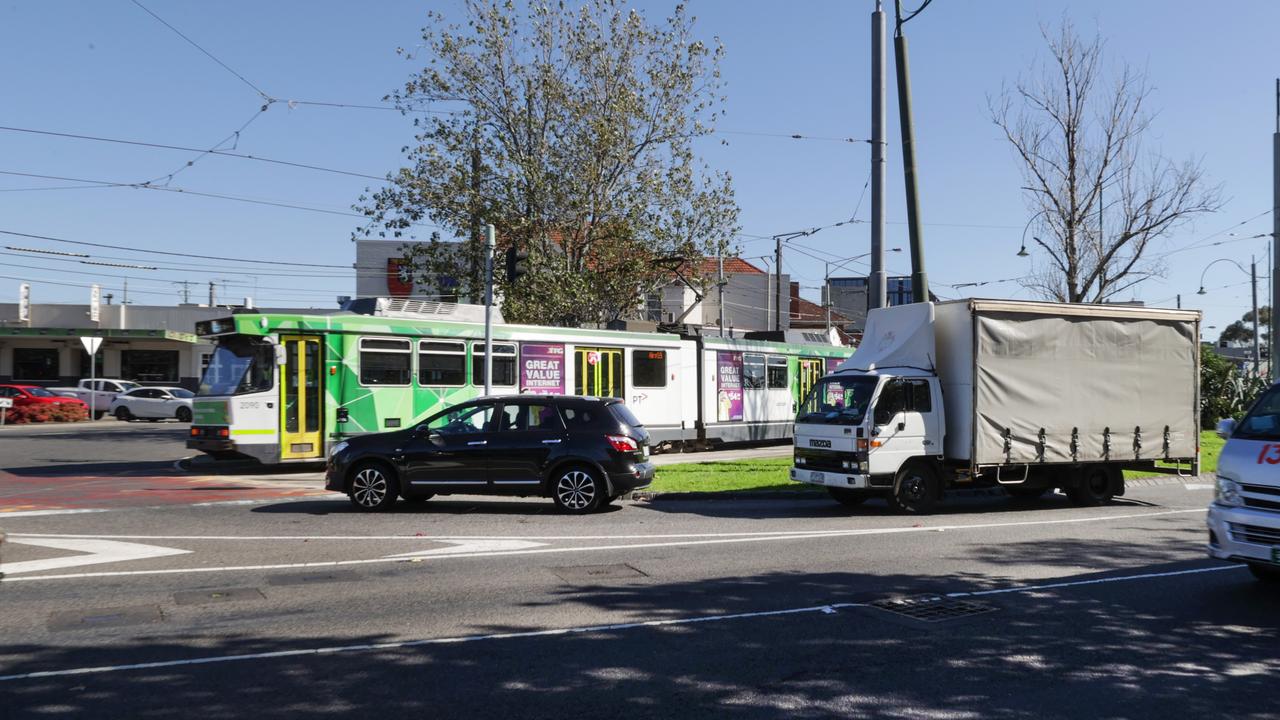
{"x":1269,"y":501}
{"x":1255,"y":534}
{"x":816,"y":460}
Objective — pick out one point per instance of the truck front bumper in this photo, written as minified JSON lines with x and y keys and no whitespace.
{"x":830,"y":479}
{"x":1242,"y":534}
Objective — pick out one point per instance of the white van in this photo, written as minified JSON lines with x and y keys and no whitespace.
{"x":1244,"y":519}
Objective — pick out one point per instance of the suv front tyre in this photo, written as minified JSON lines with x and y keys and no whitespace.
{"x":373,"y":488}
{"x":578,"y":490}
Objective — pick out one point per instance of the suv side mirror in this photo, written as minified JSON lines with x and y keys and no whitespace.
{"x":1226,"y":426}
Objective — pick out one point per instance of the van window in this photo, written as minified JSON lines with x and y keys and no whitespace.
{"x":1263,"y":420}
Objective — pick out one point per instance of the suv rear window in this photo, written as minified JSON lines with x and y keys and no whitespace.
{"x":623,"y":413}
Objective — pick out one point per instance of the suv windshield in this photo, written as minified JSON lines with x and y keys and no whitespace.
{"x":1263,"y":420}
{"x":838,"y":400}
{"x":239,"y":365}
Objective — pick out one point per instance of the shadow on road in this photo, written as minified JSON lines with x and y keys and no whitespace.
{"x":1192,"y":646}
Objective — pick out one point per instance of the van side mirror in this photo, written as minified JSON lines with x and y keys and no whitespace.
{"x":1226,"y":426}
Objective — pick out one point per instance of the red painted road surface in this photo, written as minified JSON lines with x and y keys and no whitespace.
{"x":36,"y":491}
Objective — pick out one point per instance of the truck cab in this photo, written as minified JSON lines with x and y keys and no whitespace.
{"x":1244,"y":519}
{"x":856,"y":432}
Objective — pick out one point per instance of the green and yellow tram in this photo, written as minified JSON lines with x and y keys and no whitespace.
{"x":286,"y":387}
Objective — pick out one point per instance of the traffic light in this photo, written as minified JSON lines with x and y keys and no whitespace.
{"x":517,"y":264}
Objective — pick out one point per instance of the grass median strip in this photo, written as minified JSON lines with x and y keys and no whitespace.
{"x":768,"y":474}
{"x":772,"y":474}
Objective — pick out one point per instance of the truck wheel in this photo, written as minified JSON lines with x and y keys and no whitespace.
{"x":1269,"y":574}
{"x":1094,"y":486}
{"x":847,"y":497}
{"x":916,"y":489}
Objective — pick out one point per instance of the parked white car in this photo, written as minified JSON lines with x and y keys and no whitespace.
{"x":97,"y":393}
{"x":153,"y":403}
{"x":1244,"y":519}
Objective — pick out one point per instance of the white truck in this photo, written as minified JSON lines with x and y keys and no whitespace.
{"x":1027,"y":396}
{"x":97,"y":393}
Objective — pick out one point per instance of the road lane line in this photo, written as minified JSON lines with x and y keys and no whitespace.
{"x":827,"y":609}
{"x":1095,"y":581}
{"x":592,"y":548}
{"x":770,"y":533}
{"x":42,"y":513}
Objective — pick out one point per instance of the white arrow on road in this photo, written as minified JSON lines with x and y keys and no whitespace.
{"x":99,"y":551}
{"x":469,"y":547}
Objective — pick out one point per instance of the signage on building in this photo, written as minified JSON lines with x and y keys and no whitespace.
{"x":542,"y":369}
{"x":95,"y":302}
{"x":24,"y":303}
{"x":399,"y":277}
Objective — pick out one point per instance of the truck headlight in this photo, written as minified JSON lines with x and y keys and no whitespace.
{"x":338,"y":448}
{"x":1227,"y":492}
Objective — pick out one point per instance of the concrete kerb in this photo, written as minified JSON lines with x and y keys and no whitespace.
{"x":813,"y":492}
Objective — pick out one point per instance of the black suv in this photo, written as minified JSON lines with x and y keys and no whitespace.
{"x":583,"y":452}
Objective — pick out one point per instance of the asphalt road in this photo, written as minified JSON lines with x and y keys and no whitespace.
{"x":482,"y":608}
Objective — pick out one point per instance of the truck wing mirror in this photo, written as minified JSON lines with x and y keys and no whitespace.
{"x":1226,"y":426}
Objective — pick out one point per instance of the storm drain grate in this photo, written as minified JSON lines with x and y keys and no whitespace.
{"x":933,"y":608}
{"x":591,"y":573}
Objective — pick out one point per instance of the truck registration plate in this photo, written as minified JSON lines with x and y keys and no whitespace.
{"x":817,"y":477}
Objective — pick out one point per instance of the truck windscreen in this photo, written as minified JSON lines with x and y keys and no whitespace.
{"x":239,"y":365}
{"x":838,"y":400}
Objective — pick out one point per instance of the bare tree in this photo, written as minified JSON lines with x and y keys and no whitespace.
{"x":1099,"y":200}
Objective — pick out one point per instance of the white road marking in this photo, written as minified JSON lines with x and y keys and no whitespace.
{"x":41,"y":513}
{"x":828,"y":609}
{"x":470,"y":547}
{"x":647,"y":536}
{"x":715,"y":540}
{"x":98,"y":552}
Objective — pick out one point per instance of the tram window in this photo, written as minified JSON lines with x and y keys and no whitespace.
{"x":777,"y":372}
{"x":385,"y":362}
{"x":752,"y":372}
{"x":649,"y":368}
{"x":504,"y":365}
{"x":442,"y":364}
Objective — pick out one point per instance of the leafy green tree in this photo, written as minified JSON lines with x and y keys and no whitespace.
{"x":1224,"y":391}
{"x":1241,"y":331}
{"x":570,"y":130}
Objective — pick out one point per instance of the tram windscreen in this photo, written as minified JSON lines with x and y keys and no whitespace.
{"x":838,"y":400}
{"x":238,"y":365}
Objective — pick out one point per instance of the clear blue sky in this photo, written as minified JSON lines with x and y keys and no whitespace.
{"x":106,"y":68}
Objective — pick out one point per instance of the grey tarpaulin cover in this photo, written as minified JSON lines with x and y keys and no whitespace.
{"x":1038,"y":371}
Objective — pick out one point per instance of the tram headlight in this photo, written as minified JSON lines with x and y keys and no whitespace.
{"x":338,"y":448}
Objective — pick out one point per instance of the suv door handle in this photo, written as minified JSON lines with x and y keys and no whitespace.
{"x":478,"y":442}
{"x":550,"y":442}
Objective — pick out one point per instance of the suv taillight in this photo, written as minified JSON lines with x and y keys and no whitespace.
{"x":622,"y":443}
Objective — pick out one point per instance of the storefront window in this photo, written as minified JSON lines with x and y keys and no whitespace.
{"x":149,"y":365}
{"x":35,"y":364}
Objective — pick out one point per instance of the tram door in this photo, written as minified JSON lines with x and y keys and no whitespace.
{"x":811,"y":370}
{"x":598,"y":372}
{"x":300,"y":404}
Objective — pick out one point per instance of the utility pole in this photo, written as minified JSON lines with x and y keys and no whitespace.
{"x":879,"y":279}
{"x":476,"y":228}
{"x":1275,"y":230}
{"x":186,"y":290}
{"x":1179,"y":302}
{"x":720,"y":285}
{"x":826,"y":292}
{"x":211,"y":293}
{"x":125,"y":300}
{"x":919,"y":280}
{"x":1257,"y":339}
{"x":489,"y":244}
{"x":777,"y":272}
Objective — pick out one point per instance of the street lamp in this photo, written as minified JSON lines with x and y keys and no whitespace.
{"x":1022,"y":252}
{"x":826,"y":284}
{"x":1252,"y":272}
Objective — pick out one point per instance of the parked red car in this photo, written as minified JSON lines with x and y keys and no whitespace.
{"x":26,"y":395}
